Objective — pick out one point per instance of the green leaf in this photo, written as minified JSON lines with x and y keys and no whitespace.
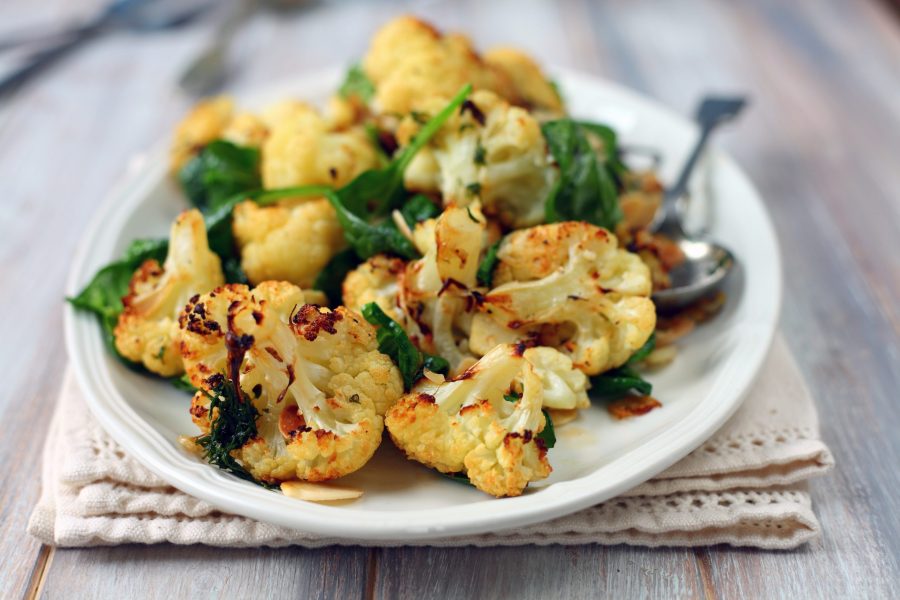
{"x":357,"y":83}
{"x":610,"y":146}
{"x":184,"y":384}
{"x":393,"y":341}
{"x":232,"y":424}
{"x":368,"y":239}
{"x":548,"y":434}
{"x":417,"y":209}
{"x":585,"y":190}
{"x":220,"y":171}
{"x":331,"y":279}
{"x":103,"y":294}
{"x":488,"y":264}
{"x":620,"y":382}
{"x":379,"y":191}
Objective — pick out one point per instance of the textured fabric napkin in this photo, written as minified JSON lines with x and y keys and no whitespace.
{"x":744,"y":486}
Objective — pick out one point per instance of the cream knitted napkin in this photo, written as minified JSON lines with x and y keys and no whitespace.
{"x":743,"y":487}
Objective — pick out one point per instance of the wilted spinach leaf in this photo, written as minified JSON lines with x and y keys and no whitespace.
{"x":585,"y":190}
{"x":393,"y":341}
{"x":220,"y":171}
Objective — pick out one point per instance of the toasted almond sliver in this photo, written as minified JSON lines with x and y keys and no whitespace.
{"x":561,"y":416}
{"x":318,"y":492}
{"x":433,"y":377}
{"x":190,"y":444}
{"x":661,"y":356}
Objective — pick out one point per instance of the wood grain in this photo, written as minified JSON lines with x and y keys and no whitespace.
{"x":821,"y":142}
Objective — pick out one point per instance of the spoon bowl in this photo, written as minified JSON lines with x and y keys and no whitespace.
{"x":704,"y":270}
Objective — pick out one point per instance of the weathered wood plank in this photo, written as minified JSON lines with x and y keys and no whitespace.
{"x":165,"y":572}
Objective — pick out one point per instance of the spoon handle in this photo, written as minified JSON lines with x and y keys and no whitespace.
{"x":712,"y":112}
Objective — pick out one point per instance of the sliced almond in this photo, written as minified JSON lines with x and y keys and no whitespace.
{"x":561,"y":416}
{"x":318,"y":492}
{"x":190,"y":444}
{"x":433,"y":377}
{"x":660,"y":357}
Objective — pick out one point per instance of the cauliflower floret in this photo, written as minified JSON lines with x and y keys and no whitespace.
{"x":527,"y":79}
{"x":491,"y":151}
{"x":205,"y":123}
{"x":375,"y":280}
{"x":565,"y":387}
{"x":409,"y":62}
{"x":303,"y":148}
{"x":147,"y":330}
{"x":568,"y":286}
{"x":466,"y":425}
{"x":315,"y":377}
{"x":291,"y":241}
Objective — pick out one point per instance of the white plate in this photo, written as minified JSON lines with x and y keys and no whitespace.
{"x":596,"y":457}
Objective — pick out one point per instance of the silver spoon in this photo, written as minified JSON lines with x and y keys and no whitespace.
{"x":208,"y":70}
{"x":706,"y":263}
{"x":134,"y":15}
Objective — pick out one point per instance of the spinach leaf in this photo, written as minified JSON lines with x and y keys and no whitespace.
{"x":220,"y":171}
{"x":232,"y":424}
{"x":610,"y":146}
{"x":485,"y":273}
{"x":184,"y":384}
{"x":417,"y":209}
{"x":619,"y":382}
{"x":393,"y":341}
{"x":103,"y":294}
{"x":379,"y":191}
{"x":357,"y":83}
{"x":370,"y":239}
{"x":331,"y":279}
{"x":585,"y":190}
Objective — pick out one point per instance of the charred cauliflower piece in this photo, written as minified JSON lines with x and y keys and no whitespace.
{"x":375,"y":280}
{"x":147,"y":330}
{"x":205,"y":123}
{"x":530,"y":84}
{"x":493,"y":152}
{"x":315,"y":377}
{"x":410,"y":62}
{"x":568,"y":286}
{"x":304,"y":148}
{"x":291,"y":241}
{"x":465,"y":425}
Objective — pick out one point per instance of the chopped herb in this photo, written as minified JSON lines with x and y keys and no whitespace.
{"x":471,"y":216}
{"x":485,"y":273}
{"x":393,"y":341}
{"x":232,"y":424}
{"x":418,"y":117}
{"x":357,"y":83}
{"x":473,"y":189}
{"x":480,"y":154}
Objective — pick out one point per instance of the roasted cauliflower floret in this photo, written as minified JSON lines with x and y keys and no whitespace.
{"x":465,"y":425}
{"x":530,"y":84}
{"x":410,"y":62}
{"x":147,"y":330}
{"x":375,"y":280}
{"x":205,"y":123}
{"x":315,"y":377}
{"x":493,"y":152}
{"x":568,"y":286}
{"x":565,"y":387}
{"x":304,"y":148}
{"x":291,"y":241}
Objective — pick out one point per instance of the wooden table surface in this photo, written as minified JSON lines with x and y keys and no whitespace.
{"x":822,"y":142}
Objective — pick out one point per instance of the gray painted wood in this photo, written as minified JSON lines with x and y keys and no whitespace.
{"x":821,"y":141}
